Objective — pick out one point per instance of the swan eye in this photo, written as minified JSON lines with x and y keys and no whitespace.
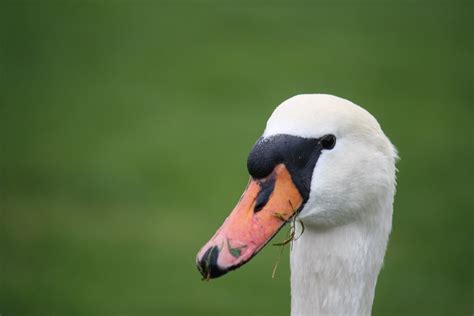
{"x":328,"y":141}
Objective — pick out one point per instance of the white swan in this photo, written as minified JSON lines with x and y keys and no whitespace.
{"x":325,"y":160}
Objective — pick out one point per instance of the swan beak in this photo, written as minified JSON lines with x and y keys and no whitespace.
{"x":265,"y":207}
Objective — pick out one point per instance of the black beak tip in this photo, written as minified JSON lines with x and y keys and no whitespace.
{"x":208,"y":266}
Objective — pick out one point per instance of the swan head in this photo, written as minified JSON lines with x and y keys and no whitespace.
{"x":321,"y":158}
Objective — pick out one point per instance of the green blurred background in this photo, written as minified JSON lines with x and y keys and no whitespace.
{"x":125,"y":128}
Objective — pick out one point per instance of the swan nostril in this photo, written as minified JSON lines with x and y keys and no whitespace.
{"x":207,"y":266}
{"x":266,"y":189}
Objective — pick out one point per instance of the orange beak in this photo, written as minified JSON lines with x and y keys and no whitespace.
{"x":264,"y":208}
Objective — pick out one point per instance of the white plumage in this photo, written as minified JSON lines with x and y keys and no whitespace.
{"x":348,"y":217}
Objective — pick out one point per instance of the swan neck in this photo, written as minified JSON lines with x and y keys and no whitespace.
{"x":334,"y":270}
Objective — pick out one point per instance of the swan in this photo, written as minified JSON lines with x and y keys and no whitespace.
{"x":325,"y":165}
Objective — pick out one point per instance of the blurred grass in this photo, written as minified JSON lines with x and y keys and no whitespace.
{"x":125,"y":127}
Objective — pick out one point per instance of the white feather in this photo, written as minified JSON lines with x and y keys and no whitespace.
{"x":348,"y":216}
